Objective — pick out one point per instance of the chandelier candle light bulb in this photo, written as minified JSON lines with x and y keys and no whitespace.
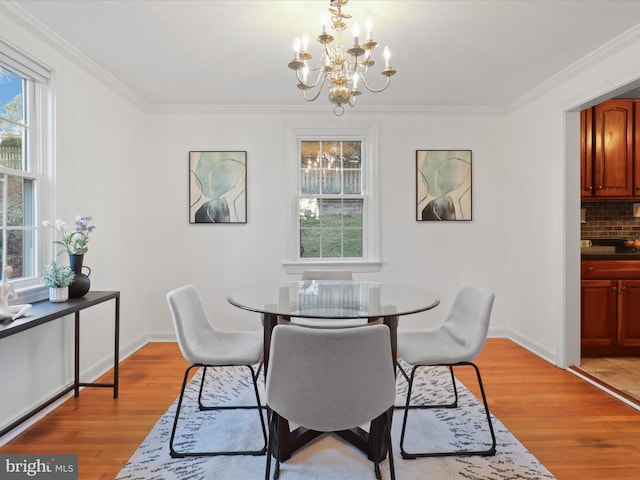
{"x":340,"y":69}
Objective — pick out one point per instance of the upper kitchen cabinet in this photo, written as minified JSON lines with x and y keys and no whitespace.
{"x":607,"y":154}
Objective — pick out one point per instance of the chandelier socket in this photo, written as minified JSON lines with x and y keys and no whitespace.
{"x":356,"y":51}
{"x":370,"y":45}
{"x":388,"y":72}
{"x":325,"y":38}
{"x":296,"y":65}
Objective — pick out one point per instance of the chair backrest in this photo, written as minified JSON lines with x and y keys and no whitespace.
{"x":468,"y":319}
{"x":327,"y":275}
{"x":330,"y":379}
{"x":189,"y":319}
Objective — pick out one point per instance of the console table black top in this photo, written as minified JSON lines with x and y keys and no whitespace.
{"x":45,"y":311}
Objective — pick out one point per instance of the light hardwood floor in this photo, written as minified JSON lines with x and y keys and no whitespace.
{"x":620,"y":374}
{"x":574,"y":429}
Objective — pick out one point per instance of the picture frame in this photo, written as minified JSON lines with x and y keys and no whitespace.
{"x":217,"y":187}
{"x":443,"y":185}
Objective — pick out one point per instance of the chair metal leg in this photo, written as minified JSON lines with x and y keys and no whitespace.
{"x":488,"y":452}
{"x":407,"y":377}
{"x":392,"y":467}
{"x":258,"y":407}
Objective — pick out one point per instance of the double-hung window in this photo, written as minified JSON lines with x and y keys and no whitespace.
{"x":23,"y":93}
{"x":334,"y":203}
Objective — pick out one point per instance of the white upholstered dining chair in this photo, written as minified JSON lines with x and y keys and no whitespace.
{"x":204,"y":346}
{"x":329,"y":380}
{"x":310,"y":275}
{"x":457,"y":342}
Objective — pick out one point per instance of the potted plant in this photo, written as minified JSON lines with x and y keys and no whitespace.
{"x":58,"y":278}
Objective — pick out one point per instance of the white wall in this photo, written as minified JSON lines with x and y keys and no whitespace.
{"x":99,"y":139}
{"x":542,"y":138}
{"x":218,"y":258}
{"x":129,"y":170}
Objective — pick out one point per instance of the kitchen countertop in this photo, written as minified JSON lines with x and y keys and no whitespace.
{"x":609,"y":249}
{"x":609,"y":255}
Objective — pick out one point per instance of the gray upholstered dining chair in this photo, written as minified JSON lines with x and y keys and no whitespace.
{"x":457,"y":342}
{"x":309,"y":275}
{"x":329,"y":380}
{"x":327,"y":275}
{"x":203,"y":345}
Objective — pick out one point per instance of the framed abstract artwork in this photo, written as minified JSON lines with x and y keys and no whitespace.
{"x":443,"y":185}
{"x":218,"y":187}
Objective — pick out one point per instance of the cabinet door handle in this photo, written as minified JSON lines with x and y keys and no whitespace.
{"x":600,"y":187}
{"x":589,"y":269}
{"x":615,"y":289}
{"x":622,"y":289}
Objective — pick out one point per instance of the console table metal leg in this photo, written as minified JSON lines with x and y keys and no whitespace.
{"x":116,"y":349}
{"x":76,"y":382}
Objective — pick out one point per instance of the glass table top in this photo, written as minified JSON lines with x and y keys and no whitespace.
{"x":333,"y":299}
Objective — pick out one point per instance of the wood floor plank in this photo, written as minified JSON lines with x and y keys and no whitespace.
{"x":574,"y":429}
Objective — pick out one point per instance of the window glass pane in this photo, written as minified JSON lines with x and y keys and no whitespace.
{"x":309,"y":243}
{"x":11,"y":119}
{"x":16,"y":201}
{"x":19,"y":224}
{"x":331,"y":181}
{"x":331,"y":242}
{"x":331,"y":213}
{"x":11,"y":97}
{"x":309,"y":213}
{"x":353,"y":243}
{"x":352,"y":182}
{"x":11,"y":150}
{"x":352,"y":217}
{"x":310,"y":167}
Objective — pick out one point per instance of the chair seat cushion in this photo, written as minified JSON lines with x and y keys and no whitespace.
{"x":227,"y":348}
{"x":432,"y":347}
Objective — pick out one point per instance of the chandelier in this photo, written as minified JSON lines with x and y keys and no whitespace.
{"x":340,"y":70}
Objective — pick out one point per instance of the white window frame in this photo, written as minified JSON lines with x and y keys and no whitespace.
{"x":368,"y":134}
{"x":39,"y":112}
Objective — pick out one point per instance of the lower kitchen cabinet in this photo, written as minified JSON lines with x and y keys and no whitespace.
{"x":610,"y":309}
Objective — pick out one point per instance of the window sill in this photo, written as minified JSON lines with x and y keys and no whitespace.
{"x":31,"y":294}
{"x":356,"y":266}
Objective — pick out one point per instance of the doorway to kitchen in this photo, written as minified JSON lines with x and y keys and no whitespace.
{"x":608,"y":309}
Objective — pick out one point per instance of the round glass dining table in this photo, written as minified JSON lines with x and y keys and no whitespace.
{"x":331,"y":300}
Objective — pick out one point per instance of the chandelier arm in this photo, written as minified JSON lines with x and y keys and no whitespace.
{"x":320,"y":89}
{"x":310,"y":85}
{"x":364,"y":82}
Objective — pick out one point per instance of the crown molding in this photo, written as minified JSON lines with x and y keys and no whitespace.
{"x":24,"y":19}
{"x":321,"y":109}
{"x":609,"y":48}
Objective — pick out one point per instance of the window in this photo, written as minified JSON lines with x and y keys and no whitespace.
{"x":22,"y":117}
{"x":330,"y":199}
{"x":334,"y":207}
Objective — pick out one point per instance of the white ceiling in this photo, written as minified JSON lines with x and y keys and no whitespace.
{"x":235,"y":52}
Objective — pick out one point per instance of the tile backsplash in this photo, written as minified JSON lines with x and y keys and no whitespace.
{"x":610,"y":220}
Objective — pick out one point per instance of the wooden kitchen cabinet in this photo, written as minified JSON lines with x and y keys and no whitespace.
{"x":629,"y":313}
{"x":607,"y":150}
{"x":610,"y":308}
{"x":599,"y":306}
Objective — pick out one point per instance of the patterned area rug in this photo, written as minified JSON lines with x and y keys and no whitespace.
{"x":329,"y":457}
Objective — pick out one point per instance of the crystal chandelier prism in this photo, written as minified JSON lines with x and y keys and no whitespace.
{"x":340,"y":69}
